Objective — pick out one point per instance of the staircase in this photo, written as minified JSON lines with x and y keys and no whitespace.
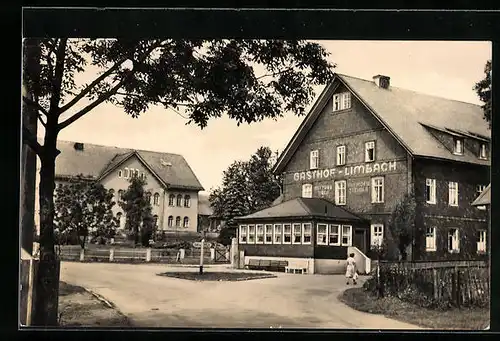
{"x":363,"y":263}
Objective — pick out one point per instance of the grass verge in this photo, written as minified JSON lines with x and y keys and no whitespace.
{"x":79,"y":308}
{"x":216,"y":276}
{"x":392,"y":307}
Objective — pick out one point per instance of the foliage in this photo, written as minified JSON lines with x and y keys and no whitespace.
{"x":402,"y":223}
{"x":247,"y":186}
{"x":483,"y":90}
{"x":138,"y":211}
{"x":84,"y":208}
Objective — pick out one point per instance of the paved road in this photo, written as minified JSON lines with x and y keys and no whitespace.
{"x":288,"y":301}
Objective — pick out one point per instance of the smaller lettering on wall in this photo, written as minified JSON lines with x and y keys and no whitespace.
{"x":322,"y":190}
{"x":357,"y":187}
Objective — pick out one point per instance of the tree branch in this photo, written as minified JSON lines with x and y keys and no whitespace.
{"x":276,"y":73}
{"x":58,"y":76}
{"x":91,"y":86}
{"x":36,"y":105}
{"x":31,"y":141}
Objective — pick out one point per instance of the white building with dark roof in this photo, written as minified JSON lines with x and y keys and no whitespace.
{"x":171,"y":183}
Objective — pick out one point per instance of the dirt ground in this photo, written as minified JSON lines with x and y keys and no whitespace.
{"x":79,"y":308}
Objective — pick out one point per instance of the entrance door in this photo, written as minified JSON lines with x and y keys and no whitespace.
{"x":360,"y":240}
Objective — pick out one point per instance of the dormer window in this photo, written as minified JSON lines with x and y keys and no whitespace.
{"x":458,"y":148}
{"x":370,"y":151}
{"x":341,"y":101}
{"x":314,"y":159}
{"x":483,"y":152}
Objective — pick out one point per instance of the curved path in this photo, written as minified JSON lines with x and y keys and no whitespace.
{"x":288,"y":301}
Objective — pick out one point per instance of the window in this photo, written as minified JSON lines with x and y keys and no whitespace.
{"x":340,"y":155}
{"x":306,"y":233}
{"x":430,"y":191}
{"x":179,"y":200}
{"x":314,"y":159}
{"x":155,"y":220}
{"x":260,"y":234}
{"x":346,"y":235}
{"x":268,"y":234}
{"x":119,"y":218}
{"x":377,"y":234}
{"x":321,"y":232}
{"x":171,"y":199}
{"x":186,"y":222}
{"x":243,"y":234}
{"x":453,"y":193}
{"x":453,"y":241}
{"x":430,"y":239}
{"x":481,"y":241}
{"x":143,"y":175}
{"x":170,"y":221}
{"x":251,"y":234}
{"x":137,"y":173}
{"x":178,"y":222}
{"x":340,"y":192}
{"x":127,"y":173}
{"x":187,"y":201}
{"x":482,"y":151}
{"x":120,"y":173}
{"x":378,"y":190}
{"x":333,"y":238}
{"x":297,"y":233}
{"x":458,"y":146}
{"x":148,"y":196}
{"x":370,"y":151}
{"x":287,"y":234}
{"x":307,"y":190}
{"x":277,"y":234}
{"x":341,"y":101}
{"x":156,"y":199}
{"x":120,"y":194}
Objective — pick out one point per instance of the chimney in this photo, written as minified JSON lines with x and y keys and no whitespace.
{"x":382,"y":81}
{"x":78,"y":146}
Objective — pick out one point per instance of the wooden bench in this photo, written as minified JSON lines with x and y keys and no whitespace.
{"x":265,"y":264}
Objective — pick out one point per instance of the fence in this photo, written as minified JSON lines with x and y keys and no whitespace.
{"x":465,"y":283}
{"x":110,"y":254}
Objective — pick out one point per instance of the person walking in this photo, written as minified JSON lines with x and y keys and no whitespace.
{"x":351,"y":271}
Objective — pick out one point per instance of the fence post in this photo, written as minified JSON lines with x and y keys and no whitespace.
{"x":111,"y":254}
{"x":435,"y":283}
{"x":182,"y":253}
{"x":212,"y":254}
{"x":148,"y":255}
{"x":82,"y":255}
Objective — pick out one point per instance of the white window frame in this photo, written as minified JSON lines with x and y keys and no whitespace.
{"x":250,"y":234}
{"x":287,"y":234}
{"x":340,"y":188}
{"x":156,"y":199}
{"x":337,"y":99}
{"x":431,"y":184}
{"x":243,"y":233}
{"x":341,"y":155}
{"x":455,"y":240}
{"x":178,"y":221}
{"x":346,"y":100}
{"x":334,"y":230}
{"x":268,"y":231}
{"x":120,"y":173}
{"x":453,"y":193}
{"x":259,"y":228}
{"x":178,"y":200}
{"x":375,"y":199}
{"x":483,"y":151}
{"x":430,"y":239}
{"x":307,"y":190}
{"x":305,"y":233}
{"x":320,"y":234}
{"x":341,"y":101}
{"x":349,"y":236}
{"x":296,"y":227}
{"x":187,"y":201}
{"x":314,"y":159}
{"x":278,"y":234}
{"x":368,"y":146}
{"x":184,"y":220}
{"x":170,"y":221}
{"x":481,"y":241}
{"x":127,"y":173}
{"x":376,"y":234}
{"x":458,"y":146}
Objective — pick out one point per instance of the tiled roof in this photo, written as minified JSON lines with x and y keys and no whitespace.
{"x":484,"y":198}
{"x":304,"y":207}
{"x":405,"y":114}
{"x":94,"y":160}
{"x":204,"y":205}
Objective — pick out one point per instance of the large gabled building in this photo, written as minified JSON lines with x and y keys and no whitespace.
{"x":366,"y":144}
{"x":172,"y":185}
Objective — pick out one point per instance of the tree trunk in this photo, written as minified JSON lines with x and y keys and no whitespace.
{"x":46,"y":305}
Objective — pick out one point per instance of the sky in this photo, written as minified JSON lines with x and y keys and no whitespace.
{"x":445,"y":69}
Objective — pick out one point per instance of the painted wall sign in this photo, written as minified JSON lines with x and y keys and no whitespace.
{"x":359,"y":187}
{"x":323,"y":190}
{"x":369,"y":168}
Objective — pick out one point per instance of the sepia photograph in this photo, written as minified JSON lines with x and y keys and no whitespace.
{"x":255,"y":184}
